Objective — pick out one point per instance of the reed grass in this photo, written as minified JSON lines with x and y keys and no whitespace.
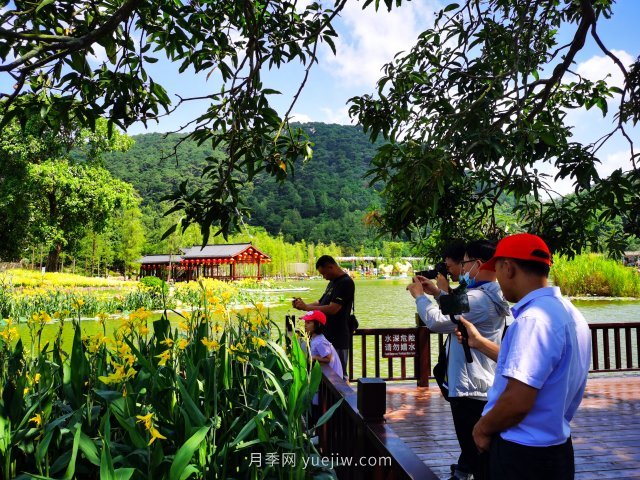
{"x":595,"y":275}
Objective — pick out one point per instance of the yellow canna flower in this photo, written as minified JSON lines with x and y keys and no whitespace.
{"x":259,"y":342}
{"x":102,"y":318}
{"x":9,"y":334}
{"x":155,"y":434}
{"x":144,"y":330}
{"x":183,"y":326}
{"x":182,"y":344}
{"x":36,"y":379}
{"x":210,"y":344}
{"x":146,"y":419}
{"x":168,"y":342}
{"x":37,"y":419}
{"x":164,"y":357}
{"x":118,"y":376}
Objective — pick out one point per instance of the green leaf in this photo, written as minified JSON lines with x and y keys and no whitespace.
{"x":451,"y":6}
{"x":43,"y":4}
{"x":185,"y":453}
{"x":106,"y":462}
{"x":327,"y":415}
{"x":43,"y":446}
{"x":190,"y":470}
{"x":78,"y":368}
{"x":124,"y":473}
{"x":248,"y":428}
{"x":71,"y":467}
{"x":189,"y":407}
{"x":89,"y":449}
{"x":275,"y":383}
{"x":548,"y":138}
{"x":117,"y":409}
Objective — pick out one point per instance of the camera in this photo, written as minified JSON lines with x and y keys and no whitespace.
{"x":457,"y":302}
{"x":440,"y":267}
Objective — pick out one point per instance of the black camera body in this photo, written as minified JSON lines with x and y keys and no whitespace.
{"x":457,"y":302}
{"x":440,"y":267}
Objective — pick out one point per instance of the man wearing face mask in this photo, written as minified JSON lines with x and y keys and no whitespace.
{"x":468,"y":382}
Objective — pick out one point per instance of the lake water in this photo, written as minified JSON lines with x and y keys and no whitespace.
{"x":386,"y":303}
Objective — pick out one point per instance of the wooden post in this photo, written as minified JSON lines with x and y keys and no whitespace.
{"x":372,"y":399}
{"x":423,"y":355}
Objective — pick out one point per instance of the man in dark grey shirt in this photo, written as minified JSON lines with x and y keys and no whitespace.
{"x":336,"y":303}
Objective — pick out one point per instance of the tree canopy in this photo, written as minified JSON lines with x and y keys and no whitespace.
{"x":49,"y":199}
{"x":476,"y":107}
{"x":469,"y":113}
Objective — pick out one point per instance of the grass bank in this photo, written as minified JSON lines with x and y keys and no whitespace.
{"x":594,"y":274}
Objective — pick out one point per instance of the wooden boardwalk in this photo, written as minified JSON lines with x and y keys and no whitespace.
{"x":605,"y":431}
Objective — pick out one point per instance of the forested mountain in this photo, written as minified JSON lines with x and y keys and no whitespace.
{"x":325,"y":200}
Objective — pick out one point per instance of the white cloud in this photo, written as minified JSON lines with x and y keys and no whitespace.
{"x":599,"y":67}
{"x":374,"y":38}
{"x":337,"y":115}
{"x":99,"y":54}
{"x":300,"y":117}
{"x":613,"y":161}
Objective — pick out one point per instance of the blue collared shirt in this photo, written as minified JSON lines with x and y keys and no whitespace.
{"x":548,"y":347}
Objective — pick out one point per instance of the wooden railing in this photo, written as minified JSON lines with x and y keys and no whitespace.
{"x":615,"y":347}
{"x":360,"y":448}
{"x":366,"y":340}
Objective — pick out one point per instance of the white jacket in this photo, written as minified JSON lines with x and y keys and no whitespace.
{"x":488,"y":311}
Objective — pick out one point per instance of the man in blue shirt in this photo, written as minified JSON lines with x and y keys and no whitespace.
{"x":541,"y":371}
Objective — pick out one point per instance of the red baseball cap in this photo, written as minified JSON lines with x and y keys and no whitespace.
{"x":523,"y":246}
{"x":315,"y":315}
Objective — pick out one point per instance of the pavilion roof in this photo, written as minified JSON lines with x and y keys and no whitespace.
{"x":221,"y":251}
{"x":162,"y":258}
{"x":228,"y":252}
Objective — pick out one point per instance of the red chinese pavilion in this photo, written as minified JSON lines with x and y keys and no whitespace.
{"x":223,"y":262}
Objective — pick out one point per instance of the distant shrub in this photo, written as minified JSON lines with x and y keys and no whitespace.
{"x":156,"y":288}
{"x":594,"y":274}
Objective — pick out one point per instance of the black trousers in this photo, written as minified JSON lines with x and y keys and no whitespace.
{"x":512,"y":461}
{"x":466,"y":412}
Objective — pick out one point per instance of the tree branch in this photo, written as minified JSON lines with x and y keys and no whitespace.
{"x":74,"y":44}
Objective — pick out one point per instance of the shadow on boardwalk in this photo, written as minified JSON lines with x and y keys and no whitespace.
{"x":606,"y":429}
